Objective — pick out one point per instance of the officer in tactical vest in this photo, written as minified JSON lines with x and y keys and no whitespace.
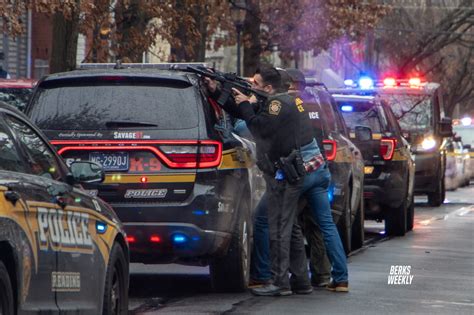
{"x":279,"y":131}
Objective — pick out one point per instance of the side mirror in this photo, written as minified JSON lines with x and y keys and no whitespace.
{"x":446,"y":127}
{"x":363,"y":133}
{"x":467,"y":147}
{"x":86,"y":172}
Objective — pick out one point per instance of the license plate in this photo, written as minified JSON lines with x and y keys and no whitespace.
{"x":117,"y":161}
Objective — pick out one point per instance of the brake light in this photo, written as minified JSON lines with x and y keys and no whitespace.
{"x":174,"y":153}
{"x":387,"y":148}
{"x":389,"y":82}
{"x":330,"y":148}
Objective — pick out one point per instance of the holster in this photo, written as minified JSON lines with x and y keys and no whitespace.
{"x":292,"y":166}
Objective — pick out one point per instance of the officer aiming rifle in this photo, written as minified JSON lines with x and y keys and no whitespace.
{"x":228,"y":81}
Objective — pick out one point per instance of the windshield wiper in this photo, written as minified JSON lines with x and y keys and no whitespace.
{"x":130,"y":124}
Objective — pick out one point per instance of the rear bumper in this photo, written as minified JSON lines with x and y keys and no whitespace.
{"x":387,"y":190}
{"x":178,"y":242}
{"x":427,"y":172}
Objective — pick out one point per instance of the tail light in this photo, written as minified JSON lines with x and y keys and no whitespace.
{"x":387,"y":148}
{"x":330,"y":148}
{"x":205,"y":154}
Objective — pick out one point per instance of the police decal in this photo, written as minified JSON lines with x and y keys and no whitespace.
{"x":63,"y":231}
{"x":274,"y":108}
{"x":299,"y":104}
{"x":65,"y":281}
{"x":145,"y":193}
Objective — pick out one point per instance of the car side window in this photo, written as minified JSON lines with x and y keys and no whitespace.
{"x":329,"y":114}
{"x":10,"y":158}
{"x":40,"y":158}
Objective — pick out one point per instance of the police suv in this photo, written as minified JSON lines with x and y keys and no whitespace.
{"x":419,"y":109}
{"x":183,"y":188}
{"x":61,"y":250}
{"x":389,"y":166}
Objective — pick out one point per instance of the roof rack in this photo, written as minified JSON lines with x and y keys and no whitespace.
{"x":158,"y":66}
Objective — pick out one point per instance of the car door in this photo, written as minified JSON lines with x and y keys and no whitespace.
{"x":66,"y":224}
{"x":28,"y":192}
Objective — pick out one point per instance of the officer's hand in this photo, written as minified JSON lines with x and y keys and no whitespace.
{"x":210,"y":84}
{"x":239,"y":96}
{"x":253,"y":99}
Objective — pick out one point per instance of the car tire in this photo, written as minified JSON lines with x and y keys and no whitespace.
{"x":396,"y":220}
{"x":358,"y":227}
{"x":230,"y":273}
{"x":344,"y":225}
{"x":116,"y":283}
{"x":436,"y":198}
{"x":411,"y":214}
{"x":6,"y":292}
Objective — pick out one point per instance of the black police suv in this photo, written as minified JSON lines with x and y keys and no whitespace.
{"x":345,"y":164}
{"x":182,"y":187}
{"x":61,"y":250}
{"x":419,"y":109}
{"x":389,"y":166}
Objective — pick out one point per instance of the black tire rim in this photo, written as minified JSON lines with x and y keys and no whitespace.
{"x":115,"y":291}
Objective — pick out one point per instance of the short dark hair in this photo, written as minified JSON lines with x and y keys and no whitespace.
{"x":270,"y":75}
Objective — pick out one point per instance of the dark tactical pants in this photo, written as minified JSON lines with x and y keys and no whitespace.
{"x":319,"y":262}
{"x":285,"y":233}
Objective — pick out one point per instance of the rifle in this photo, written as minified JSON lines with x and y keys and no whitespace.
{"x":228,"y":81}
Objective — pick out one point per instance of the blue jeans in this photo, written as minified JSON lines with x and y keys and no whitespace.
{"x":260,"y":267}
{"x":315,"y":190}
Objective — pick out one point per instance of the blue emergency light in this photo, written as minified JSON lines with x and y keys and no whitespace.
{"x":179,"y":238}
{"x":101,"y":227}
{"x":347,"y":108}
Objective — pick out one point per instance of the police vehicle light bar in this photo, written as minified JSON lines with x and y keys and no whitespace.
{"x":347,"y":108}
{"x":366,"y":83}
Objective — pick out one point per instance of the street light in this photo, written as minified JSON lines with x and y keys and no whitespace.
{"x":237,"y":12}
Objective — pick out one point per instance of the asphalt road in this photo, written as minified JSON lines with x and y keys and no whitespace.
{"x":439,"y":252}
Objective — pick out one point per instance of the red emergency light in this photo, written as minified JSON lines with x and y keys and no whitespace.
{"x":414,"y":82}
{"x":389,"y":82}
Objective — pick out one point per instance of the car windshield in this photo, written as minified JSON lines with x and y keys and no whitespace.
{"x":413,"y":112}
{"x":358,"y":113}
{"x":115,"y":104}
{"x":17,"y":97}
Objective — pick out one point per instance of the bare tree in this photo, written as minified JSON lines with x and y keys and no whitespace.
{"x":436,"y":42}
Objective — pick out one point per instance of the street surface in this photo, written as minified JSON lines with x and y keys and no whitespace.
{"x":437,"y":258}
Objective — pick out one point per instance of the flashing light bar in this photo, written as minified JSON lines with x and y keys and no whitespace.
{"x":389,"y":82}
{"x":414,"y":82}
{"x":179,"y":238}
{"x":347,"y":108}
{"x":349,"y":82}
{"x":366,"y":83}
{"x":466,"y":121}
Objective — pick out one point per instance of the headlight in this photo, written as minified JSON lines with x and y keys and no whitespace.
{"x":428,"y":143}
